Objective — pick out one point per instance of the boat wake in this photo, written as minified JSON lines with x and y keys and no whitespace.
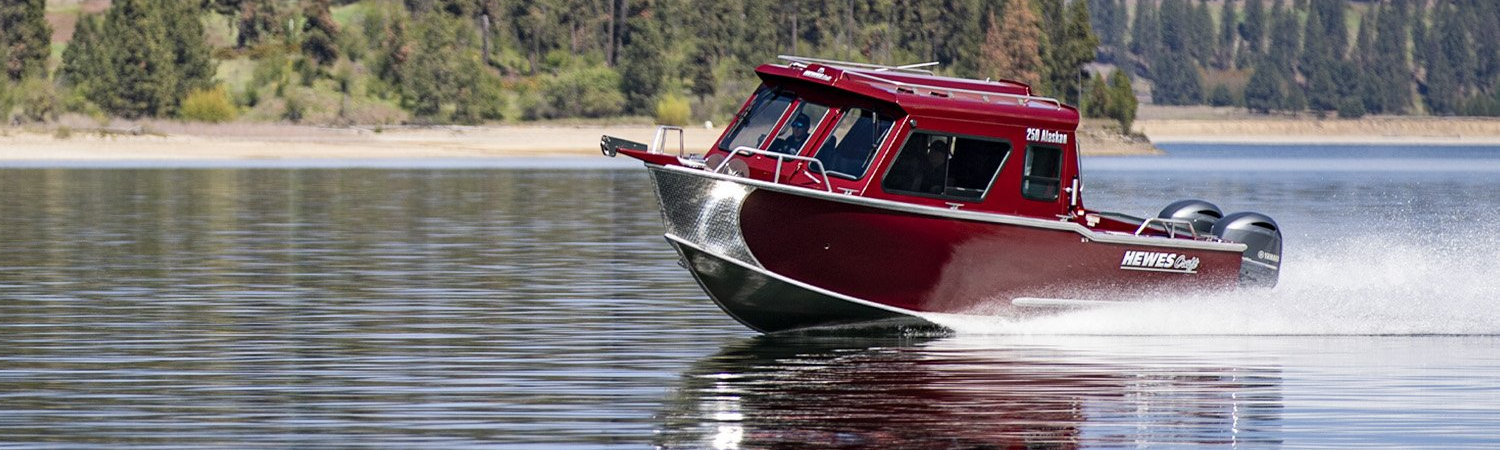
{"x":1358,"y":285}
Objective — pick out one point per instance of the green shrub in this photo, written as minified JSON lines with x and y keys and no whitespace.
{"x":39,"y":102}
{"x":295,"y":110}
{"x":1352,"y":108}
{"x":1220,"y":96}
{"x":673,"y":110}
{"x":485,"y":101}
{"x":588,"y":92}
{"x":208,"y":105}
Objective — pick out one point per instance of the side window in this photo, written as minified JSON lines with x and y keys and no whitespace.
{"x":1043,"y":174}
{"x":807,"y":117}
{"x":945,"y":166}
{"x":851,"y":146}
{"x":752,"y":128}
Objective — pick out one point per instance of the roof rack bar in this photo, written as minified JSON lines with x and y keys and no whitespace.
{"x":960,"y":90}
{"x":915,"y":68}
{"x":911,"y":66}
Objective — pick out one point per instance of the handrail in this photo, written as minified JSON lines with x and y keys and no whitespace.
{"x":1171,"y":230}
{"x":960,"y":90}
{"x":914,"y":68}
{"x":659,"y":140}
{"x":780,"y":158}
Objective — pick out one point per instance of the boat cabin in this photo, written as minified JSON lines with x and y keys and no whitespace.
{"x":896,"y":134}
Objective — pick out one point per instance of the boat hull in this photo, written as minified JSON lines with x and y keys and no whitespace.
{"x":781,"y":258}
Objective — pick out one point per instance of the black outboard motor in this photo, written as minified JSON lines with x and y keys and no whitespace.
{"x":1261,"y":264}
{"x":1200,"y":213}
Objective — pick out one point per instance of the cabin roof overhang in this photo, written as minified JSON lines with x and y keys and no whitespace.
{"x":1000,"y":102}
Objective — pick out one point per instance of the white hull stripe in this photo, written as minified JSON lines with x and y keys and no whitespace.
{"x":799,"y":284}
{"x":1108,"y":238}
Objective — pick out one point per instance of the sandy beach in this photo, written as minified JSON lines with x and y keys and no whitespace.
{"x":170,"y":141}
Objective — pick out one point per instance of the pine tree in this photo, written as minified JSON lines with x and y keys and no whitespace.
{"x":641,"y":62}
{"x":1012,"y":48}
{"x":1122,"y":103}
{"x":1200,"y":23}
{"x":1446,"y":55}
{"x":1253,"y":29}
{"x":25,"y":39}
{"x":1146,"y":30}
{"x":1228,"y":23}
{"x":320,"y":33}
{"x":1316,"y":64}
{"x":1392,"y":69}
{"x":1264,"y":93}
{"x":1068,"y":48}
{"x":141,"y":59}
{"x":1285,"y":39}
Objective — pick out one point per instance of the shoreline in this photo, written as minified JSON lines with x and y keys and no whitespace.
{"x":167,"y":142}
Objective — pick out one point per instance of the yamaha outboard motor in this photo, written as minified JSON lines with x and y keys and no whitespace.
{"x":1200,"y":213}
{"x":1261,"y":264}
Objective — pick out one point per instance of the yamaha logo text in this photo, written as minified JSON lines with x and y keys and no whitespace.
{"x":1159,"y":262}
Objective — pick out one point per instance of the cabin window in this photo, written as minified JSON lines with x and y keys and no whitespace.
{"x":793,"y":136}
{"x":1043,"y":174}
{"x":946,"y":166}
{"x":851,"y":146}
{"x":758,"y":120}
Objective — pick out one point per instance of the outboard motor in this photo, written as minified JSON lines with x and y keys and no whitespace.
{"x":1200,"y":213}
{"x":1261,"y":264}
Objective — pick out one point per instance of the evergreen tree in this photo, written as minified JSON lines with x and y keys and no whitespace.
{"x":1446,"y":54}
{"x":142,"y":59}
{"x":1200,"y":22}
{"x":1264,"y":93}
{"x":192,"y":58}
{"x":1387,"y":62}
{"x":1419,"y":30}
{"x":1228,"y":23}
{"x":257,"y":20}
{"x":1317,"y":64}
{"x":1366,"y":60}
{"x":320,"y":33}
{"x":1122,"y":103}
{"x":1146,"y":30}
{"x":1070,"y":46}
{"x":1012,"y":48}
{"x":1253,"y":29}
{"x":25,"y":39}
{"x":641,"y":62}
{"x":1285,"y":39}
{"x":1176,"y":80}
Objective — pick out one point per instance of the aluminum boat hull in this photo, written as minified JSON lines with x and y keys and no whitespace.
{"x":782,"y":258}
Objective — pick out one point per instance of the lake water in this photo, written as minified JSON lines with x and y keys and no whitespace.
{"x":534,"y":303}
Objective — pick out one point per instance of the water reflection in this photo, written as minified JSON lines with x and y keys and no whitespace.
{"x":968,"y":392}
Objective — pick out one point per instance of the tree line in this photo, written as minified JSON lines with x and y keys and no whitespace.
{"x":466,"y":61}
{"x":1438,"y":57}
{"x":469,"y":61}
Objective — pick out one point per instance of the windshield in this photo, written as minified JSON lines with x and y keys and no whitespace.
{"x":758,"y":120}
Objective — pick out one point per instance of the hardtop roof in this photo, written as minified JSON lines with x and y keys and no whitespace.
{"x":1003,"y":101}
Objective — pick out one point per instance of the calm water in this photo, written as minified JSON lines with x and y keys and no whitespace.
{"x":523,"y":305}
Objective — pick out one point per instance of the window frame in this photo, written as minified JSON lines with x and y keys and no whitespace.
{"x":741,"y":119}
{"x":953,"y":143}
{"x":885,"y":138}
{"x":1026,"y":176}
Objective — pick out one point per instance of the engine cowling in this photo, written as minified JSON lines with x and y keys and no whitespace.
{"x":1261,"y":263}
{"x":1201,"y":214}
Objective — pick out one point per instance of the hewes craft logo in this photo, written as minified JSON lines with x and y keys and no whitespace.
{"x":1158,"y":262}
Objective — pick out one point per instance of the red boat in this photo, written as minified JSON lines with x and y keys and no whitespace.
{"x":849,"y":195}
